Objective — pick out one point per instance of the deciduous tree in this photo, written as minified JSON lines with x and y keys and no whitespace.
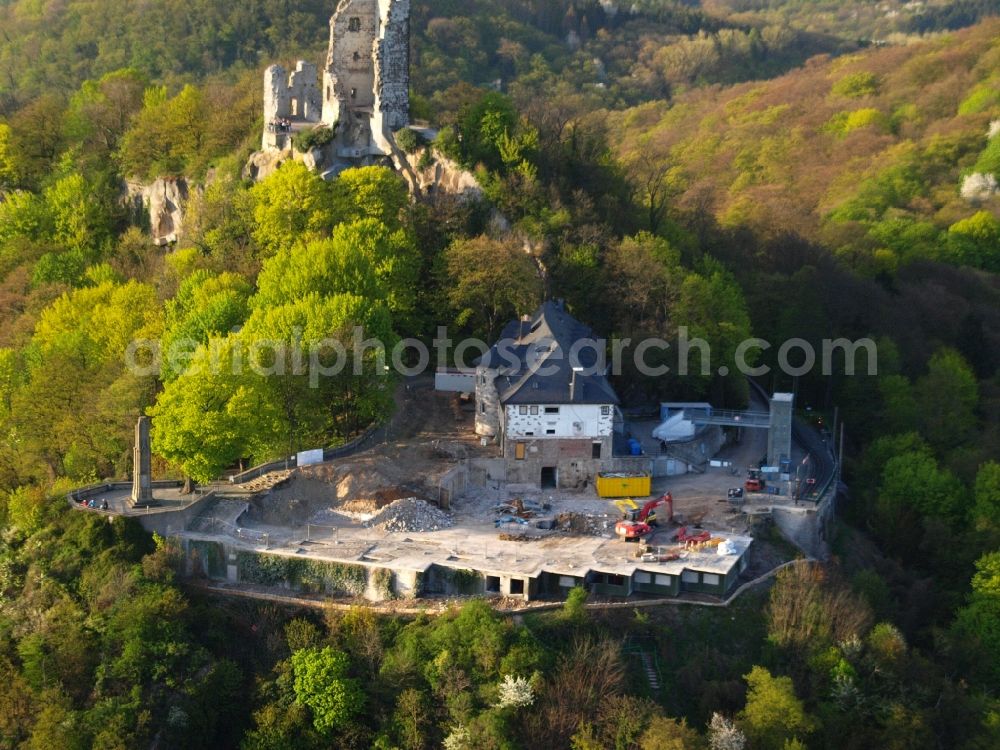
{"x":322,"y":684}
{"x":773,"y":714}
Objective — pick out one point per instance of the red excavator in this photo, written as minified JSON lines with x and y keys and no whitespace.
{"x":637,"y":522}
{"x":755,"y":481}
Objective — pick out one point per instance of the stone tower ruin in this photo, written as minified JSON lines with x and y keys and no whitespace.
{"x":365,"y":89}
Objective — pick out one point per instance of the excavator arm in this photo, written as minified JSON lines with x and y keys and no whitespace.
{"x":661,"y":506}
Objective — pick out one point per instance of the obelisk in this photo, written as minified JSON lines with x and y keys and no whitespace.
{"x":142,"y":479}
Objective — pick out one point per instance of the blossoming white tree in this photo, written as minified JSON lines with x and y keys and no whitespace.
{"x":515,"y":692}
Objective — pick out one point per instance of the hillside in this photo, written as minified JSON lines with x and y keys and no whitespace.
{"x":864,"y":154}
{"x":628,"y":169}
{"x":619,"y":55}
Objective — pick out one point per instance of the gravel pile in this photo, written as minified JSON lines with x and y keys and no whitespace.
{"x":410,"y":514}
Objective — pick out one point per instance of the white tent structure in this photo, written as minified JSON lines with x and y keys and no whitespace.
{"x":675,"y":426}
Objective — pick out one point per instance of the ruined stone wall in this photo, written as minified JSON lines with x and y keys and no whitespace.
{"x":487,"y":403}
{"x":573,"y":459}
{"x":294,"y":96}
{"x":367,"y":74}
{"x":365,"y":89}
{"x":392,"y":70}
{"x":276,"y":93}
{"x":349,"y":76}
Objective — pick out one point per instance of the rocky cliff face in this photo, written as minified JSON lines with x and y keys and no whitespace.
{"x":262,"y":164}
{"x":443,"y":176}
{"x":162,"y":204}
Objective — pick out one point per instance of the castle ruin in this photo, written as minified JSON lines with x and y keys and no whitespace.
{"x":364,"y":96}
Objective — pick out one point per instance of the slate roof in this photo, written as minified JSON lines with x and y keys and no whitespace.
{"x":533,"y":358}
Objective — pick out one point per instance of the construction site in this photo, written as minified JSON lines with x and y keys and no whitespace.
{"x":426,"y":511}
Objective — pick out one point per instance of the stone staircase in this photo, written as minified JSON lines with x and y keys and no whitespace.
{"x":652,"y":673}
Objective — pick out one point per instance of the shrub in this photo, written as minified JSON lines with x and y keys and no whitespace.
{"x":447,"y":144}
{"x":409,"y":140}
{"x":575,"y":609}
{"x":307,"y":140}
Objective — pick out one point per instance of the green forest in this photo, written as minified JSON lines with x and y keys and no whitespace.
{"x":775,"y":169}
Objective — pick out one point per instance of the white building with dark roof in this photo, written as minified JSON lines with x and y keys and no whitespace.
{"x":542,"y":393}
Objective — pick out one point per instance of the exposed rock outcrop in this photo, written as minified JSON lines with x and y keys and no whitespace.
{"x":162,"y":203}
{"x":442,"y":176}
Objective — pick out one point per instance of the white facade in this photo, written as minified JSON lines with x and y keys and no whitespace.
{"x":558,"y":421}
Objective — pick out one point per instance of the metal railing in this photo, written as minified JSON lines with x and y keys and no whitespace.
{"x":729,"y":418}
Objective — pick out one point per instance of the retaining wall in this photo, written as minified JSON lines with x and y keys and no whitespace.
{"x":158,"y":520}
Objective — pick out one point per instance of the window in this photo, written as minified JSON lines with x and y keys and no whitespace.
{"x":595,"y":451}
{"x":615,"y":580}
{"x":482,"y":407}
{"x":516,"y":586}
{"x":662,"y":580}
{"x":567,"y":582}
{"x":354,"y":93}
{"x":551,"y":409}
{"x":357,"y":56}
{"x":689,"y":576}
{"x":354,"y":24}
{"x":534,"y":409}
{"x":710,"y":578}
{"x":519,"y":451}
{"x":529,"y":433}
{"x":550,"y":432}
{"x":642,"y":577}
{"x":522,"y":410}
{"x":493,"y":584}
{"x":605,"y":411}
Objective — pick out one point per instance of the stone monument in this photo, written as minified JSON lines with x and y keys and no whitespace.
{"x":142,"y":477}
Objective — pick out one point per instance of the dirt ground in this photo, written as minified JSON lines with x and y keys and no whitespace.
{"x":430,"y":433}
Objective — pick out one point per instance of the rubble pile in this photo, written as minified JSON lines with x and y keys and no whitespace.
{"x":410,"y":514}
{"x":587,"y":524}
